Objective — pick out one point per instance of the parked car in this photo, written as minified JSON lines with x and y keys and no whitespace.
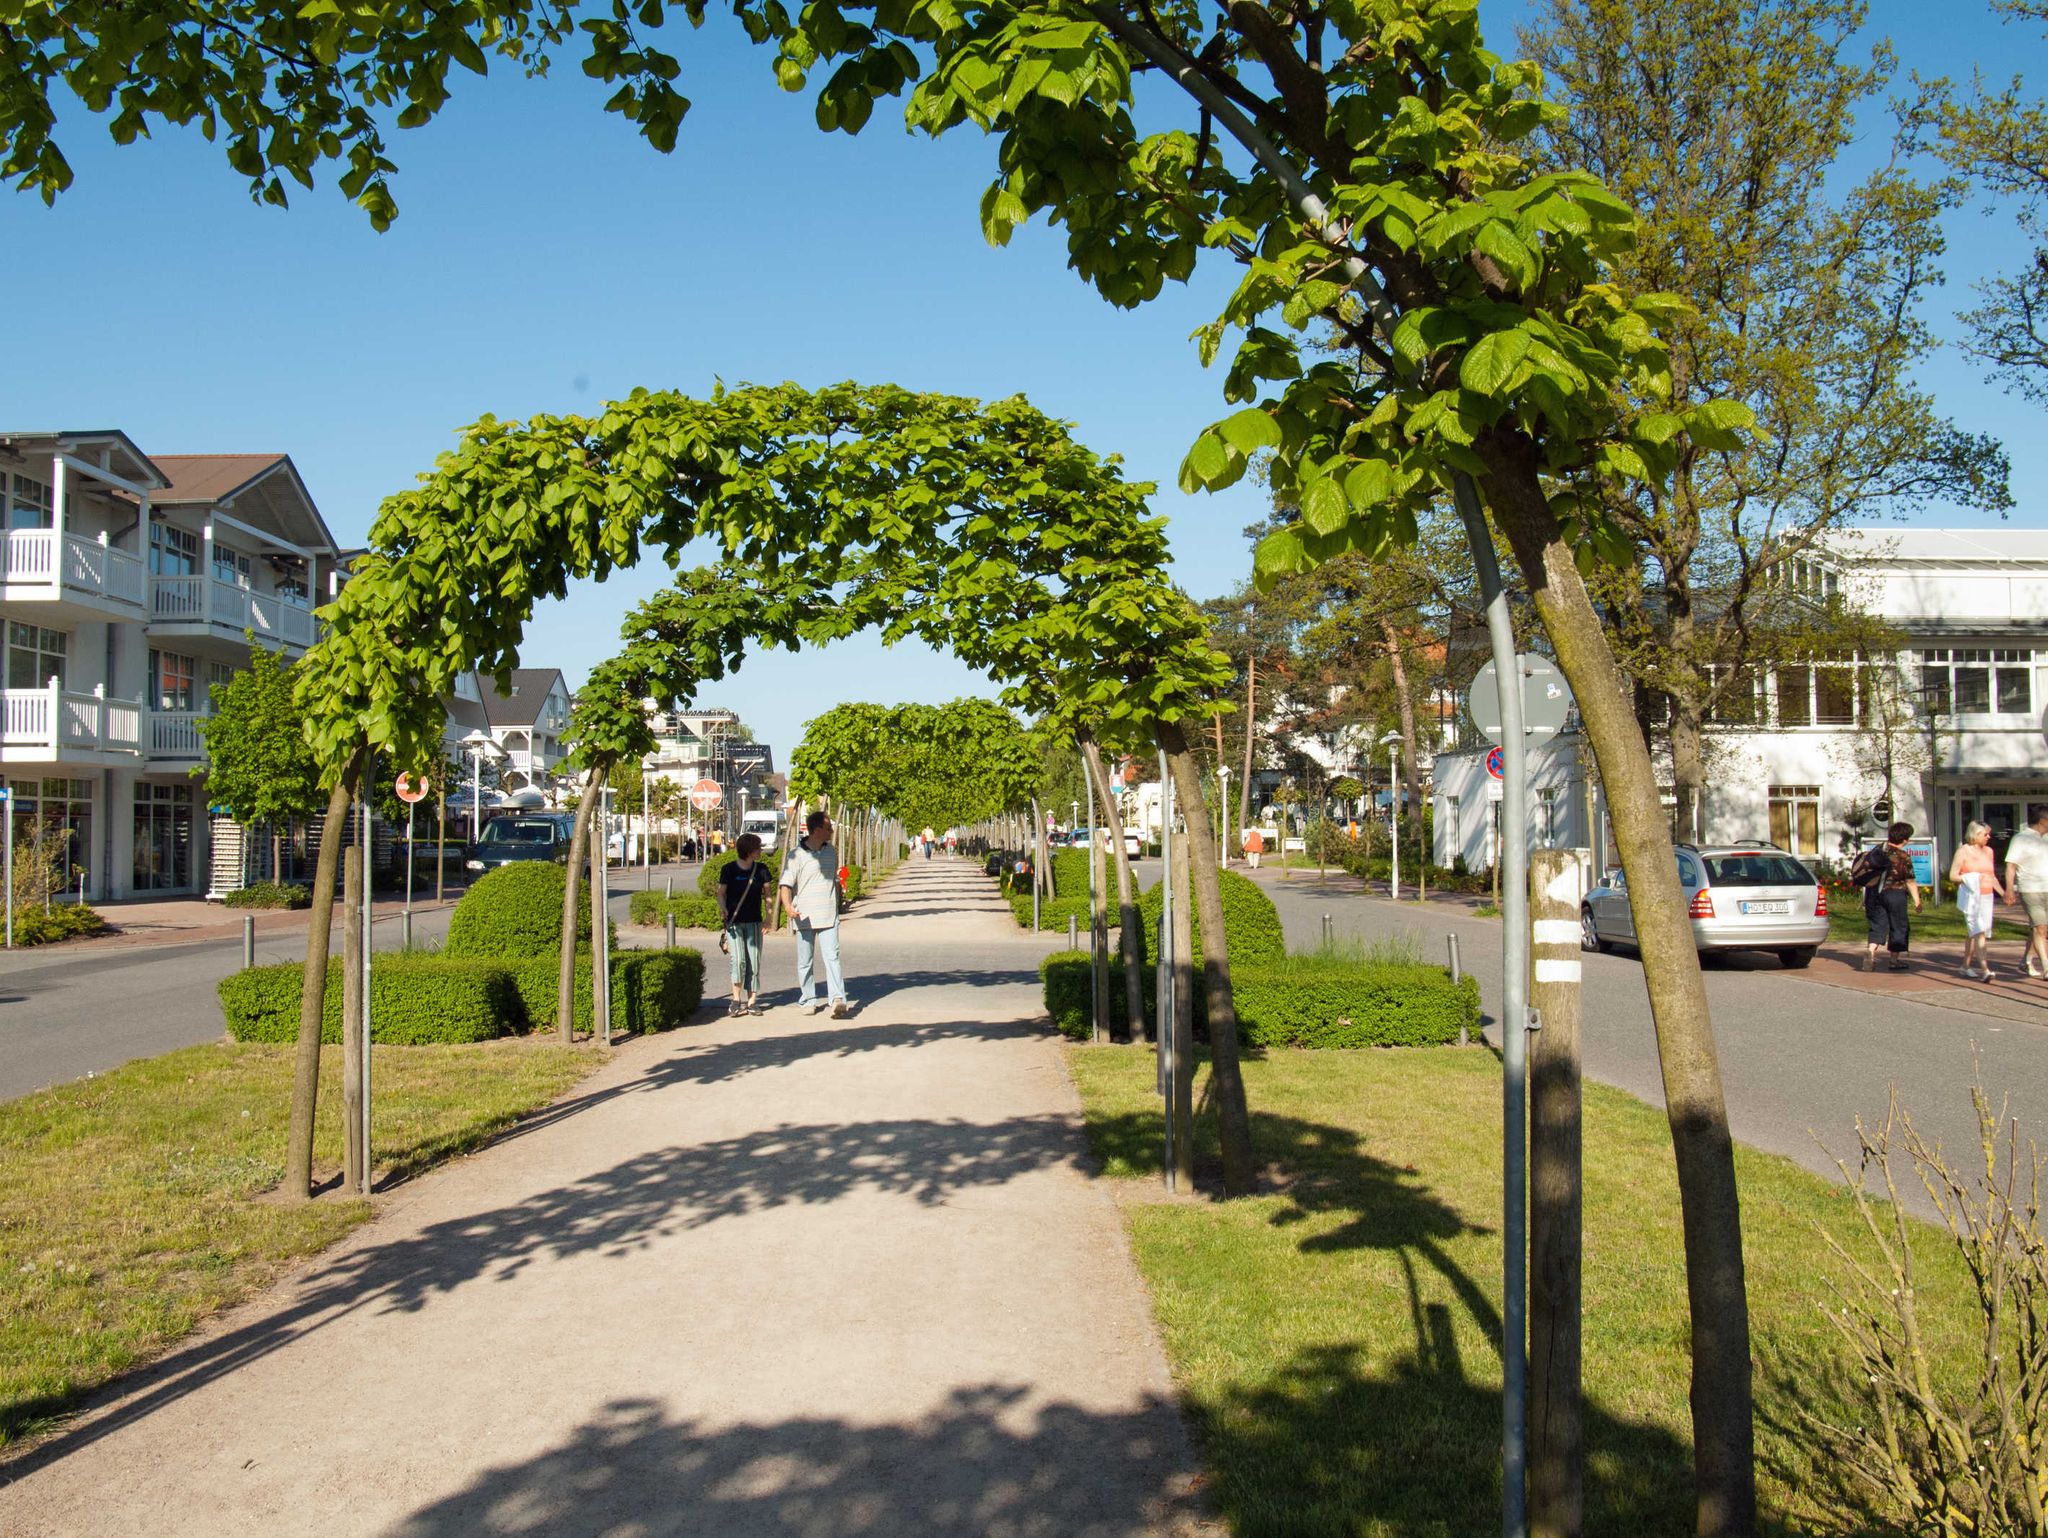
{"x":1134,"y":846}
{"x":512,"y":837}
{"x":1740,"y":897}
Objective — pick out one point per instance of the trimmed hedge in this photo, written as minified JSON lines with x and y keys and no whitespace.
{"x":516,"y":910}
{"x":270,"y":894}
{"x":1251,"y":924}
{"x":691,"y":911}
{"x":60,"y":921}
{"x":1070,"y":886}
{"x":1299,"y":1003}
{"x":651,"y":990}
{"x":414,"y":1000}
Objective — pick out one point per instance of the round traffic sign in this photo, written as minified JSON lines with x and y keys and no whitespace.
{"x":1546,"y":699}
{"x":1496,"y":764}
{"x":410,"y":790}
{"x":705,"y":795}
{"x":1129,"y":772}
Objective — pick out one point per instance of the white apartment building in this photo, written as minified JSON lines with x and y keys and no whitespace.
{"x":705,"y":744}
{"x":1961,"y":715}
{"x":525,"y":719}
{"x":128,"y":585}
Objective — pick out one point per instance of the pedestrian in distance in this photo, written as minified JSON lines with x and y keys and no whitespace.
{"x":1889,"y":885}
{"x":741,"y":886}
{"x":811,"y":897}
{"x":2026,"y":878}
{"x":1974,"y":870}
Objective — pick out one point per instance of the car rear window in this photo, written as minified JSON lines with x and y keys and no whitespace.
{"x":1757,"y":870}
{"x":503,"y":830}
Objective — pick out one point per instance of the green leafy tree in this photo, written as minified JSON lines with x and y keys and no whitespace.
{"x":923,"y":765}
{"x":1725,"y":120}
{"x":259,"y":765}
{"x":1997,"y":138}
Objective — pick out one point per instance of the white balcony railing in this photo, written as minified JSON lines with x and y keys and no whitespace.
{"x":175,"y":734}
{"x":29,"y":558}
{"x":228,"y":606}
{"x":54,"y":719}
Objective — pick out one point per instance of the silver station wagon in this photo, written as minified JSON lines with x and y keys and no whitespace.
{"x":1740,"y":897}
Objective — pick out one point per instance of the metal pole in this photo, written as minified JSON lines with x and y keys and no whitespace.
{"x":604,"y":927}
{"x":1394,"y":805}
{"x":7,"y":837}
{"x":1514,"y":1018}
{"x":671,"y":931}
{"x":1163,"y":1006}
{"x":646,"y":833}
{"x":1073,"y":932}
{"x":248,"y":941}
{"x":1464,"y":1033}
{"x":1223,"y":850}
{"x":408,"y":875}
{"x":365,"y":818}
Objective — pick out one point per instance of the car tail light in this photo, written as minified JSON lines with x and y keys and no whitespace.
{"x":1820,"y":902}
{"x":1702,"y":905}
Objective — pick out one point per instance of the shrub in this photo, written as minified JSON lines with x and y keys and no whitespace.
{"x":651,"y":990}
{"x":270,"y":894}
{"x":707,"y":878}
{"x":1069,"y":998}
{"x":36,"y":925}
{"x":516,"y":910}
{"x":1316,"y":1001}
{"x":1251,"y":924}
{"x":691,"y":911}
{"x":414,"y":1000}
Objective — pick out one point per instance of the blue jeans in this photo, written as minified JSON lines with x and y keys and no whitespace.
{"x":744,"y":941}
{"x":812,"y":944}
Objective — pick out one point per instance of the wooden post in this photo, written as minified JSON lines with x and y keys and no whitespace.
{"x":440,"y":841}
{"x":1557,"y":1438}
{"x":1098,"y":936}
{"x":1183,"y":1044}
{"x":352,"y":893}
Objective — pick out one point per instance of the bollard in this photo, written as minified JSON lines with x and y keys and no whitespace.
{"x":671,"y":932}
{"x":408,"y":929}
{"x":1327,"y":934}
{"x":668,"y":887}
{"x":1073,"y":933}
{"x":1464,"y":1035}
{"x":248,"y":940}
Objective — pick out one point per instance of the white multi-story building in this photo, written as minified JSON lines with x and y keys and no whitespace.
{"x":129,"y":583}
{"x":708,"y":744}
{"x":1958,"y":720}
{"x":526,"y":720}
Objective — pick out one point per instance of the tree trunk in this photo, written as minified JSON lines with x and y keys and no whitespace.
{"x":600,"y":955}
{"x":1688,"y":770}
{"x":1130,"y":932}
{"x":298,"y":1148}
{"x":1233,"y":1120}
{"x":1723,"y":1430}
{"x":1244,"y":784}
{"x":1180,"y":1045}
{"x":1411,"y":773}
{"x":565,"y":978}
{"x":1557,"y":1427}
{"x":354,"y":881}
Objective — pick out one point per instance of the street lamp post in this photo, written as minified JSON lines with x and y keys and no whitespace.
{"x":1391,"y":742}
{"x":481,"y":745}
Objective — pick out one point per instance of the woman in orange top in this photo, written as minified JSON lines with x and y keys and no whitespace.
{"x":1973,"y":857}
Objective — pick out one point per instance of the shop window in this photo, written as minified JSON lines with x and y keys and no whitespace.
{"x":35,"y":655}
{"x":1795,"y":818}
{"x":57,"y":804}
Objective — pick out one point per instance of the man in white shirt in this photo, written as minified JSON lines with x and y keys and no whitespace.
{"x":2026,"y":876}
{"x":810,"y":896}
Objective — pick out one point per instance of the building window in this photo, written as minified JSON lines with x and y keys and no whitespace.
{"x":173,"y":681}
{"x":59,"y":804}
{"x":163,"y":837}
{"x":1795,"y":695}
{"x":173,"y":552}
{"x":35,"y":655}
{"x":230,"y":566}
{"x":1834,"y":694}
{"x":1795,"y":818}
{"x":29,"y":506}
{"x":1977,"y":680}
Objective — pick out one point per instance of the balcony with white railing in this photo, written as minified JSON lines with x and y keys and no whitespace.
{"x":41,"y":564}
{"x":174,"y":734}
{"x":55,"y":723}
{"x":209,"y":606}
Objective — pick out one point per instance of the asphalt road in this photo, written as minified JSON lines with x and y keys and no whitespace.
{"x":1800,"y":1060}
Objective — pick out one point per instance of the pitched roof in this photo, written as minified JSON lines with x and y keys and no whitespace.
{"x":521,"y":706}
{"x":210,"y":477}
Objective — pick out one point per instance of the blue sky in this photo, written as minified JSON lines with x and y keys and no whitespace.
{"x":546,"y":259}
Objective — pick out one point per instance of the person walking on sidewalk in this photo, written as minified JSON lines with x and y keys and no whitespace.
{"x":1974,"y":870}
{"x":2026,"y":878}
{"x":741,"y":886}
{"x":810,"y":896}
{"x":1889,"y":885}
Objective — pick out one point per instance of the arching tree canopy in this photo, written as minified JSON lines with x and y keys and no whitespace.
{"x":933,"y":766}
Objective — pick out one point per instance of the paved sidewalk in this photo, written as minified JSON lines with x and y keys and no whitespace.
{"x":782,"y":1276}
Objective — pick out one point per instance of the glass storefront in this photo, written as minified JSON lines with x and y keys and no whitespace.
{"x":163,"y":837}
{"x":63,"y":808}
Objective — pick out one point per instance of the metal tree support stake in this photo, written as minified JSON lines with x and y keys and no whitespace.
{"x":367,"y":1181}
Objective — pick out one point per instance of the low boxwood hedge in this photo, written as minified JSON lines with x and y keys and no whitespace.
{"x":1302,"y":1002}
{"x":707,"y":878}
{"x":651,"y":990}
{"x":270,"y":894}
{"x":414,"y":1000}
{"x":1251,"y":924}
{"x":691,"y":911}
{"x":516,"y":910}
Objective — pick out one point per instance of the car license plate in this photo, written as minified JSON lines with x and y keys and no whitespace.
{"x":1770,"y":907}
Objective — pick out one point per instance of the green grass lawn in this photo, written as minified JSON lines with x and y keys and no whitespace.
{"x":129,"y":1205}
{"x":1337,"y":1341}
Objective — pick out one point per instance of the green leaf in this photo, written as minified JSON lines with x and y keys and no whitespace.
{"x":1720,"y":424}
{"x":1323,"y":505}
{"x":1511,"y":254}
{"x":1280,"y":554}
{"x":1489,"y":367}
{"x":1207,"y":462}
{"x":1370,"y":483}
{"x":1250,"y":430}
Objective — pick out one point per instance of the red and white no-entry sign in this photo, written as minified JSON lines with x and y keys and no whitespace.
{"x":705,"y":795}
{"x":410,"y":789}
